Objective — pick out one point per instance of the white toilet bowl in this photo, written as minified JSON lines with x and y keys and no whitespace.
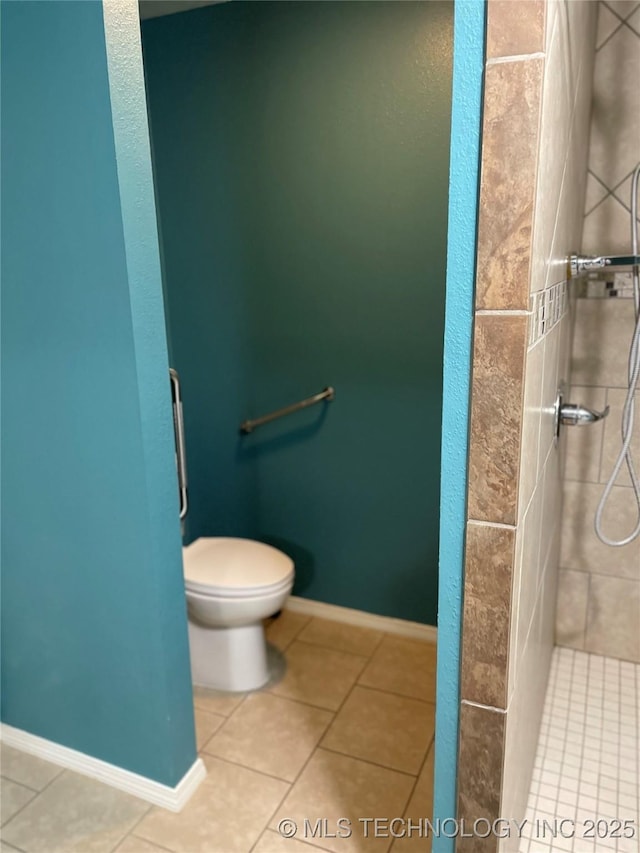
{"x":231,"y":586}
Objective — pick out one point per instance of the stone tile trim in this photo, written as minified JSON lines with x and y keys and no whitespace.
{"x":496,"y":416}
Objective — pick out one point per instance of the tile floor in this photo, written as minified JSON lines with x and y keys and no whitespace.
{"x":347,"y":733}
{"x":587,"y":767}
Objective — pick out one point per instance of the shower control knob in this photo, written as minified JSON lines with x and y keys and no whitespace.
{"x":575,"y":415}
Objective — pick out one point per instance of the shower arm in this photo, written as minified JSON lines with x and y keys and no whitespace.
{"x":582,"y":264}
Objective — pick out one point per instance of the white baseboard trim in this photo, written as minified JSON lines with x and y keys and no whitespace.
{"x":173,"y":799}
{"x":389,"y":624}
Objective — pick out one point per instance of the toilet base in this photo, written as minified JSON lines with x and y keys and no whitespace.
{"x":233,"y":659}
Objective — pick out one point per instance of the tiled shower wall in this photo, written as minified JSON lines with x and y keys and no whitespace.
{"x":537,"y":104}
{"x":599,"y":586}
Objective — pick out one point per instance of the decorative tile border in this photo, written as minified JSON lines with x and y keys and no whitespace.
{"x":547,"y":308}
{"x":605,"y":285}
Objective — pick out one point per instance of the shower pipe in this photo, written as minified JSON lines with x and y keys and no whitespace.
{"x":327,"y":394}
{"x":633,"y":378}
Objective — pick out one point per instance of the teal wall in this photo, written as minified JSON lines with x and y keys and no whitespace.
{"x":301,"y":160}
{"x":461,"y":254}
{"x":94,"y":640}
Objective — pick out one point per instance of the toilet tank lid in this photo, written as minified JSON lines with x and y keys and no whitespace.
{"x":237,"y":563}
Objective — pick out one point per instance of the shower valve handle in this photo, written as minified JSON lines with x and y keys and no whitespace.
{"x":575,"y":415}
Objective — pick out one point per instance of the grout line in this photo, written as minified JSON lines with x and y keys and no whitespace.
{"x":420,"y":772}
{"x":305,"y":703}
{"x":22,"y":785}
{"x":313,"y":752}
{"x":342,"y":651}
{"x":142,"y":838}
{"x":393,"y":693}
{"x":61,"y":770}
{"x":219,"y":713}
{"x":271,"y":816}
{"x":369,"y":761}
{"x":334,"y":714}
{"x":611,"y":192}
{"x":137,"y":823}
{"x":336,"y":651}
{"x":296,"y":634}
{"x":613,"y":11}
{"x":498,"y":524}
{"x":379,"y":643}
{"x":603,"y":185}
{"x":312,"y":846}
{"x":290,"y":789}
{"x":627,"y":24}
{"x":519,"y":57}
{"x":484,"y":707}
{"x":41,"y":791}
{"x":13,"y":846}
{"x":131,"y":834}
{"x":612,"y":34}
{"x":247,"y":767}
{"x":503,"y":312}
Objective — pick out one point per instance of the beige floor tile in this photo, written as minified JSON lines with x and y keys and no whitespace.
{"x":271,"y":734}
{"x":403,"y":666}
{"x":420,"y":807}
{"x":273,"y":842}
{"x":26,"y":769}
{"x":7,"y":848}
{"x":226,"y":814}
{"x":384,"y":728}
{"x":12,"y":798}
{"x":336,"y":786}
{"x":206,"y":725}
{"x":283,"y":630}
{"x":132,"y":844}
{"x":74,"y":815}
{"x":216,"y":701}
{"x":319,"y":676}
{"x":338,"y":635}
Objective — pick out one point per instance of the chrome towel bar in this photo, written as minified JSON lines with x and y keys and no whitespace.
{"x":248,"y":426}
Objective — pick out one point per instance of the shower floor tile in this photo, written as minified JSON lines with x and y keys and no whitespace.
{"x":585,"y":791}
{"x":347,"y":733}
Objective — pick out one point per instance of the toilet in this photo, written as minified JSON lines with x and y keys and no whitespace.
{"x":231,"y":586}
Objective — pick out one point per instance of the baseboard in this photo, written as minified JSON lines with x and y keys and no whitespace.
{"x":173,"y":799}
{"x":389,"y":624}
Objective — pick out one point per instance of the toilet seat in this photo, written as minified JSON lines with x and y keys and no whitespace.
{"x":232,"y":586}
{"x":227,"y":567}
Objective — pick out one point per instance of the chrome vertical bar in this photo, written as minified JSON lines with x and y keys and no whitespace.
{"x":181,"y":455}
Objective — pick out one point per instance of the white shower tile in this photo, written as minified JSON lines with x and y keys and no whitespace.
{"x":599,"y":774}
